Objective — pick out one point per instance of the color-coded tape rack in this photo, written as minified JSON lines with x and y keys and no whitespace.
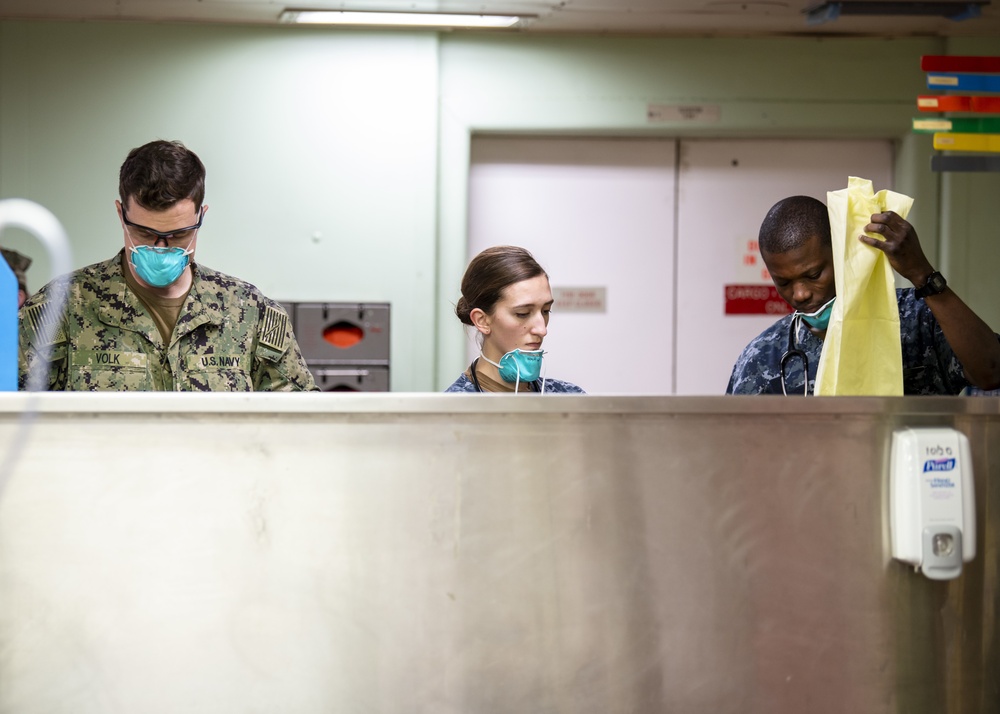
{"x":974,"y":139}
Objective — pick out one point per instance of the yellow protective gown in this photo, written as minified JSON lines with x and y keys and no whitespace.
{"x":861,"y":353}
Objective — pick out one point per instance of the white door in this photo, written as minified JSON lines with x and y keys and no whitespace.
{"x":725,"y":189}
{"x":597,"y":214}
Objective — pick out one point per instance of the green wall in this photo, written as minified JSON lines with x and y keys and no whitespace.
{"x":338,"y":160}
{"x":319,"y":148}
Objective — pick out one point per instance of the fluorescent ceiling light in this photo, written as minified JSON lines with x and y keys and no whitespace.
{"x":399,"y":19}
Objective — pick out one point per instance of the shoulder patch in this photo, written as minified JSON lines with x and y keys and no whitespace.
{"x":273,"y":328}
{"x":39,"y":320}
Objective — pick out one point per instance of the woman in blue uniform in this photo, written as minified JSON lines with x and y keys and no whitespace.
{"x":507,"y":299}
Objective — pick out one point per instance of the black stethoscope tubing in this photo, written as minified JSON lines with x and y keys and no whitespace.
{"x":475,"y":380}
{"x":791,"y":353}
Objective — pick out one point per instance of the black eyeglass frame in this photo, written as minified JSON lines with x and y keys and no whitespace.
{"x":167,"y":234}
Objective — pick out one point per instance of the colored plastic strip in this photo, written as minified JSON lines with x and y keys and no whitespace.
{"x":965,"y":125}
{"x":959,"y":103}
{"x":959,"y":63}
{"x":965,"y":82}
{"x":966,"y":163}
{"x":968,"y":142}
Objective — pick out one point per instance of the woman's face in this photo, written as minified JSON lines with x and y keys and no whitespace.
{"x":520,"y":318}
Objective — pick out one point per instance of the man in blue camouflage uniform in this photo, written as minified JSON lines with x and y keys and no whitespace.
{"x":946,"y":347}
{"x":150,"y":318}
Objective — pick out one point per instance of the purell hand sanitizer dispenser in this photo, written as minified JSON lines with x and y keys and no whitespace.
{"x":932,"y":501}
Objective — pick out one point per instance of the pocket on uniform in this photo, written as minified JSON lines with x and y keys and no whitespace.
{"x":913,"y":378}
{"x":219,"y":380}
{"x":108,"y":371}
{"x":218,"y":373}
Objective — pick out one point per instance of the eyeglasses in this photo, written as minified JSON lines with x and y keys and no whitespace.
{"x":148,"y":234}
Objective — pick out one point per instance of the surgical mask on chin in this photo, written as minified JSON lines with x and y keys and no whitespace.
{"x":519,"y":366}
{"x":820,"y":319}
{"x":159,"y":267}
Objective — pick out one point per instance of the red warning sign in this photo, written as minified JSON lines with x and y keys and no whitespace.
{"x":755,"y":300}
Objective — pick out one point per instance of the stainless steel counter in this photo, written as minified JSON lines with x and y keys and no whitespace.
{"x":465,"y":553}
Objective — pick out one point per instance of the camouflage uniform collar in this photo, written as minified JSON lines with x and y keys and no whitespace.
{"x":205,"y":303}
{"x":119,"y":306}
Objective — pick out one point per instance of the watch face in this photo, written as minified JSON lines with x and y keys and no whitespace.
{"x":935,"y":284}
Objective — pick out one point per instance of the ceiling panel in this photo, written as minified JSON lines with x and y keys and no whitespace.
{"x":628,"y":17}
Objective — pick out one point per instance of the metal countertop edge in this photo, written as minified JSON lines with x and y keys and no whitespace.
{"x":16,"y":403}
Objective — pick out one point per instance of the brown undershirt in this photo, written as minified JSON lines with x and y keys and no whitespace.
{"x":488,"y":384}
{"x":164,"y":311}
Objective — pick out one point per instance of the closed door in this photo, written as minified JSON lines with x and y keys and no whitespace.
{"x":598,"y":214}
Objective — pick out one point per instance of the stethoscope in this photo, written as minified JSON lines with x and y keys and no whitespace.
{"x":536,"y":386}
{"x":794,"y":352}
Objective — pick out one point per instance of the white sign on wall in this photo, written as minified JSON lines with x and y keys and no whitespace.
{"x":700,"y":113}
{"x":593,"y":299}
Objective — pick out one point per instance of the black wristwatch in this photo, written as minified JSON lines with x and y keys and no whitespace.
{"x":935,"y":284}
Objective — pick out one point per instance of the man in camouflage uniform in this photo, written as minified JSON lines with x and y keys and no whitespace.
{"x":946,"y":346}
{"x":152,"y":319}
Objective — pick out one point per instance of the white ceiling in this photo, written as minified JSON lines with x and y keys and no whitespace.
{"x":609,"y":17}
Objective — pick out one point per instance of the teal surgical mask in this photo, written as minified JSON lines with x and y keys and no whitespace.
{"x":519,"y":365}
{"x":820,"y":319}
{"x":159,"y":267}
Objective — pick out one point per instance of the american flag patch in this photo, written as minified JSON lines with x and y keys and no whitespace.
{"x":273,"y":327}
{"x":40,"y":321}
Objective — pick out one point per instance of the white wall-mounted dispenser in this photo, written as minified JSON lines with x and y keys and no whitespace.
{"x":932,"y":501}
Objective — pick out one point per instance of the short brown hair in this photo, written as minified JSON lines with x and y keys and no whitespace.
{"x":161,"y":173}
{"x":489,"y":274}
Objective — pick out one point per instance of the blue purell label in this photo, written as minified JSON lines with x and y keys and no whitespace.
{"x":939,"y":465}
{"x":942,"y":487}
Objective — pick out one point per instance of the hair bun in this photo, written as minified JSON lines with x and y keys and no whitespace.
{"x":463,"y":311}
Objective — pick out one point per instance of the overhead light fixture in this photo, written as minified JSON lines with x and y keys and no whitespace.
{"x":397,"y":19}
{"x":831,"y":10}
